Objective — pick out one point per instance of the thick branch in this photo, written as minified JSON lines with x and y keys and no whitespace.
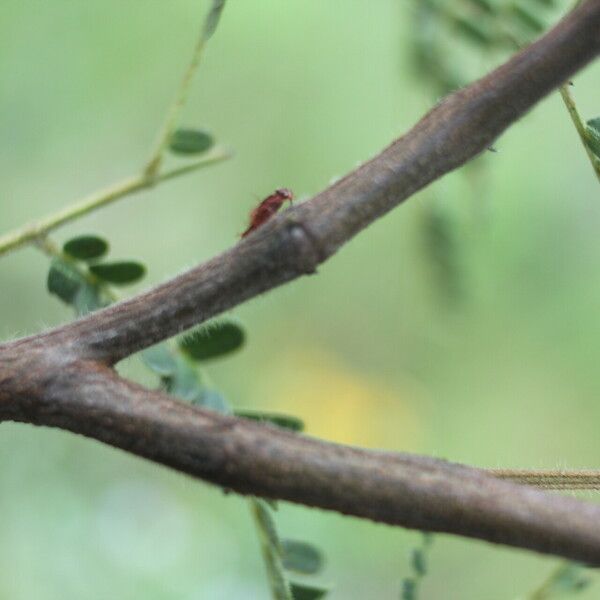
{"x":461,"y":126}
{"x":61,"y":379}
{"x":251,"y":458}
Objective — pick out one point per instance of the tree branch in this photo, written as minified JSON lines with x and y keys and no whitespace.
{"x":258,"y":459}
{"x":456,"y":130}
{"x":62,"y":378}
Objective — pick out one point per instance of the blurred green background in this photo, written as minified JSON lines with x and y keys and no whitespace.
{"x":478,"y":342}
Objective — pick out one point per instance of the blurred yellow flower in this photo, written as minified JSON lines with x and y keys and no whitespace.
{"x":340,"y":404}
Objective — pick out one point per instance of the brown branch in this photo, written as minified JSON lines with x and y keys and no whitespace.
{"x":63,"y":378}
{"x":456,"y":130}
{"x":256,"y":459}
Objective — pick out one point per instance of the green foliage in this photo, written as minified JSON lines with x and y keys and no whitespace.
{"x":271,"y":550}
{"x":212,"y":19}
{"x":190,"y":141}
{"x":409,"y":589}
{"x":279,"y":556}
{"x":592,"y":135}
{"x":213,"y":341}
{"x":89,"y":297}
{"x":301,"y":557}
{"x":484,"y":25}
{"x":85,"y":286}
{"x":418,"y":564}
{"x":527,"y":16}
{"x":185,"y":382}
{"x":441,"y":248}
{"x":64,"y":280}
{"x":160,"y":359}
{"x":301,"y":591}
{"x":281,"y":420}
{"x":212,"y":400}
{"x":71,"y":285}
{"x":567,"y":580}
{"x":487,"y":6}
{"x":119,"y":273}
{"x":86,"y":247}
{"x":474,"y":30}
{"x":181,"y":378}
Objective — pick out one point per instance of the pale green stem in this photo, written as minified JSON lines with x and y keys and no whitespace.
{"x":35,"y":231}
{"x":174,"y":111}
{"x":280,"y":587}
{"x":580,"y":126}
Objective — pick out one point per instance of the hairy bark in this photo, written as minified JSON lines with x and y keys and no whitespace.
{"x":64,"y":377}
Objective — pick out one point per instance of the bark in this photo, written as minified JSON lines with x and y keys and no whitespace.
{"x":64,"y":377}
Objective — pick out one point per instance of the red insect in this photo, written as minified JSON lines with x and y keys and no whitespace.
{"x":267,"y":208}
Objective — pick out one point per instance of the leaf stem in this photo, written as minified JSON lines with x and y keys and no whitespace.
{"x":34,"y":232}
{"x":153,"y":165}
{"x":271,"y":550}
{"x":569,"y":101}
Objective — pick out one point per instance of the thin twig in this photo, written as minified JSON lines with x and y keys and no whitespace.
{"x":569,"y":101}
{"x":208,"y":27}
{"x":34,"y":231}
{"x":150,"y":175}
{"x":559,"y":479}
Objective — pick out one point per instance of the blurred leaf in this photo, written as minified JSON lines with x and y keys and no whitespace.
{"x":571,"y":578}
{"x":160,"y":359}
{"x":485,"y":5}
{"x":592,"y":134}
{"x":527,"y":17}
{"x":301,"y":557}
{"x":119,"y":273}
{"x":190,"y":141}
{"x":212,"y":19}
{"x":409,"y":589}
{"x":474,"y":31}
{"x":88,"y":298}
{"x":441,"y":248}
{"x":301,"y":591}
{"x":182,"y":379}
{"x":212,"y":400}
{"x":71,"y":286}
{"x":419,"y":562}
{"x":185,"y":382}
{"x":64,"y":280}
{"x":285,"y":421}
{"x":212,"y":341}
{"x":86,"y":247}
{"x":271,"y":549}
